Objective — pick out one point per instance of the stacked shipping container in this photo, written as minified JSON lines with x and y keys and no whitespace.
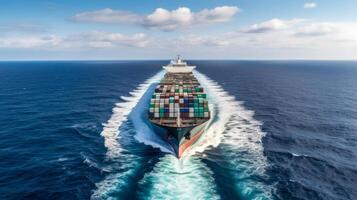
{"x":183,"y":99}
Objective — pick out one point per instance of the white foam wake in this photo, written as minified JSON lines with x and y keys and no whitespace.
{"x":235,"y":133}
{"x":121,"y":163}
{"x":172,"y":178}
{"x":120,"y":114}
{"x":232,"y":130}
{"x":238,"y":136}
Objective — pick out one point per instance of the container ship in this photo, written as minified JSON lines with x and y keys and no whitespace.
{"x":179,"y":109}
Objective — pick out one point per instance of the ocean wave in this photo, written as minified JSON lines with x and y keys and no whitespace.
{"x":120,"y":115}
{"x":233,"y":129}
{"x":121,"y":163}
{"x":174,"y":178}
{"x":235,"y":133}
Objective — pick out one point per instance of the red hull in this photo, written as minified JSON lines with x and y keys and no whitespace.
{"x":190,"y":142}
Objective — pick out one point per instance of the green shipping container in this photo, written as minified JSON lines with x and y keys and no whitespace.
{"x":152,"y":105}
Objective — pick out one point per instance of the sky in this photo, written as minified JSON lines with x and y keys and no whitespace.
{"x":195,"y":29}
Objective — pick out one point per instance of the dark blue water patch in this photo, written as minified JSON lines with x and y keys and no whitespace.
{"x":308,"y":109}
{"x":51,"y":116}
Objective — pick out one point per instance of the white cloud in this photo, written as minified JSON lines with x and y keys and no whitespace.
{"x":280,"y":35}
{"x":216,"y":15}
{"x":161,"y":18}
{"x":277,"y":38}
{"x":106,"y":15}
{"x":310,"y":5}
{"x":316,"y":29}
{"x":29,"y":42}
{"x":169,"y":20}
{"x":100,"y":39}
{"x":88,"y":40}
{"x":271,"y":25}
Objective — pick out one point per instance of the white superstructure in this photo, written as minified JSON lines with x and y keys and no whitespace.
{"x":178,"y":66}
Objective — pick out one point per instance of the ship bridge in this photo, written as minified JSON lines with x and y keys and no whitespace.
{"x":178,"y":66}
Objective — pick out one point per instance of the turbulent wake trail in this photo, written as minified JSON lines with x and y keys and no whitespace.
{"x":171,"y":178}
{"x":232,"y":132}
{"x":237,"y":136}
{"x":121,"y":163}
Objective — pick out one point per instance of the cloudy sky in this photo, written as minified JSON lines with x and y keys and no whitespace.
{"x":196,"y":29}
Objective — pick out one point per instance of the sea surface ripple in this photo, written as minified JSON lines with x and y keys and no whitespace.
{"x":77,"y":130}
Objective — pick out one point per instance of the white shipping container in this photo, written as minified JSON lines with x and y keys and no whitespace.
{"x":206,"y":114}
{"x":181,"y":100}
{"x":171,"y":114}
{"x":156,"y":115}
{"x":191,"y":114}
{"x":151,"y":110}
{"x":192,"y":110}
{"x":161,"y":105}
{"x":157,"y":110}
{"x":177,"y":105}
{"x":177,"y":110}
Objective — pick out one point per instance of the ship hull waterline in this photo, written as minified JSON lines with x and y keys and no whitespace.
{"x":180,"y":138}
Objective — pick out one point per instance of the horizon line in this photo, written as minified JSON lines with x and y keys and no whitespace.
{"x":165,"y":59}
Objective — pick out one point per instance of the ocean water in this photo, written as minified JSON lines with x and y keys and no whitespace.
{"x":77,"y":130}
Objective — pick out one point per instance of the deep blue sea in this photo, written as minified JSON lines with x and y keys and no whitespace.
{"x":77,"y":130}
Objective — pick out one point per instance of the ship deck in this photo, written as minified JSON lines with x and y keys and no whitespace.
{"x":182,"y":124}
{"x":179,"y":101}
